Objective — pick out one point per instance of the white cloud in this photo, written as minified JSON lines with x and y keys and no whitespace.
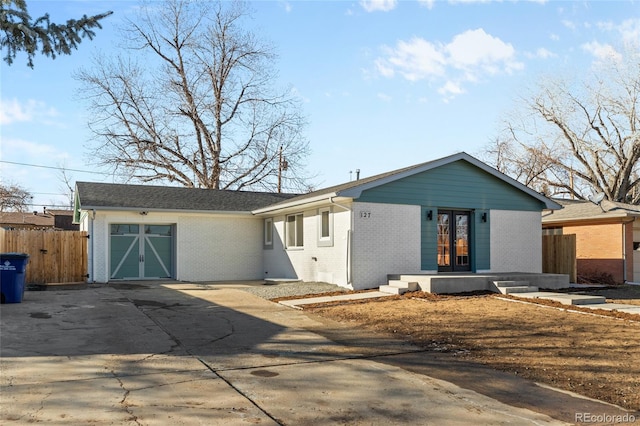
{"x":476,"y":48}
{"x":378,"y":5}
{"x":33,"y":150}
{"x":415,"y":59}
{"x":540,"y":53}
{"x":14,"y":111}
{"x":11,"y":112}
{"x":630,"y":30}
{"x":602,"y":51}
{"x":384,"y":97}
{"x":427,"y":3}
{"x":569,"y":24}
{"x":469,"y":57}
{"x":451,"y":88}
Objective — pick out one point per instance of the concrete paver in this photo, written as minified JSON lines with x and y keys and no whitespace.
{"x":584,"y":301}
{"x":193,"y":354}
{"x":324,"y":299}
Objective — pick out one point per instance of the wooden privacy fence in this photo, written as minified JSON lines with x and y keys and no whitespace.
{"x":54,"y":256}
{"x":559,"y":255}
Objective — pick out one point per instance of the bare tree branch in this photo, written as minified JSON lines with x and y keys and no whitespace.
{"x":571,"y":139}
{"x":198,"y":106}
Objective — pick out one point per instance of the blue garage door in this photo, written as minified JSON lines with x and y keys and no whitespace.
{"x":141,"y":251}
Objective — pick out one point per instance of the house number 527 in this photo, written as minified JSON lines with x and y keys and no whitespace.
{"x":365,"y":215}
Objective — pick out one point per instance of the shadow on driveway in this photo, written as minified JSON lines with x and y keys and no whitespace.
{"x":184,"y":353}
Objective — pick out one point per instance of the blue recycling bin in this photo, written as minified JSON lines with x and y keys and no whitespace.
{"x":13,"y":267}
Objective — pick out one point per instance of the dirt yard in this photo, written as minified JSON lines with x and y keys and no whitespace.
{"x":593,"y":355}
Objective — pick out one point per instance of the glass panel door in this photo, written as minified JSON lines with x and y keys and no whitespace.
{"x":444,"y":240}
{"x":462,"y":242}
{"x":453,"y":241}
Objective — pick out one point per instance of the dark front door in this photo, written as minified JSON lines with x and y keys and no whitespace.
{"x":453,"y":241}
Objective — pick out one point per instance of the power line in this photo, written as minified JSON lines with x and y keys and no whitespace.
{"x":56,"y":168}
{"x":60,"y":206}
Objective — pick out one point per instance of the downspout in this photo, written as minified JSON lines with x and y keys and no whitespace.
{"x":624,"y":249}
{"x":92,"y":240}
{"x":349,"y":248}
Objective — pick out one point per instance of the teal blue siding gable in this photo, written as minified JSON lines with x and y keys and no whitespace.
{"x":455,"y":185}
{"x":481,"y":242}
{"x":428,"y":240}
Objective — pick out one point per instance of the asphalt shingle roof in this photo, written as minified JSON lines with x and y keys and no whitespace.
{"x":26,"y":218}
{"x":147,"y":197}
{"x":585,"y":210}
{"x":347,"y":189}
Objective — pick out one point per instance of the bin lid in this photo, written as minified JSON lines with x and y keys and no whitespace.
{"x":9,"y":256}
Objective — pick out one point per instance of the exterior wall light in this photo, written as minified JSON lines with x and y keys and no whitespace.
{"x":483,"y":218}
{"x":430,"y":215}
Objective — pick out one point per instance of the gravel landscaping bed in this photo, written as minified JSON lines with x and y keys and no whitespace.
{"x":288,"y":289}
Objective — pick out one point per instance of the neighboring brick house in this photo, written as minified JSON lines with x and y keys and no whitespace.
{"x":47,"y":219}
{"x":607,"y":237}
{"x":455,"y":214}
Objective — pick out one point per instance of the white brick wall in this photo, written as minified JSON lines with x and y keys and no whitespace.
{"x":386,"y":240}
{"x":311,"y":262}
{"x":208,"y":247}
{"x":219,"y":248}
{"x":516,"y":241}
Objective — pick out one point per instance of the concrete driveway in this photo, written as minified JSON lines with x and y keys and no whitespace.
{"x":176,"y":353}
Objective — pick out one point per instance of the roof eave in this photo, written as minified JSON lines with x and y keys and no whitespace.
{"x":550,"y":220}
{"x":151,"y":210}
{"x":296,"y":203}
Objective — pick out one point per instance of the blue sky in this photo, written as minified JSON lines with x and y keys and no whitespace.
{"x":385,"y":84}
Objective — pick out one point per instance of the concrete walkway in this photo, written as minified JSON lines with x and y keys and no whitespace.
{"x":181,"y":354}
{"x":296,"y":303}
{"x":584,"y":301}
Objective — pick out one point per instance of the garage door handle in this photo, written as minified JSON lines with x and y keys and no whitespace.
{"x":142,"y":258}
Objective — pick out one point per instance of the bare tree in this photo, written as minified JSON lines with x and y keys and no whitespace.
{"x":66,"y":185}
{"x":14,"y":198}
{"x":195,"y":102}
{"x":574,"y":138}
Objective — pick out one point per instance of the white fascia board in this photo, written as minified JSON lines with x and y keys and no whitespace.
{"x":605,"y":217}
{"x":295,"y":204}
{"x":140,"y":209}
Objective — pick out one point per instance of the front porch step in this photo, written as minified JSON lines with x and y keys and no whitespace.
{"x":399,"y":287}
{"x":509,"y":287}
{"x":518,"y":289}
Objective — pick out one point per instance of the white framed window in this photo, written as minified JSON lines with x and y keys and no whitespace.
{"x":268,"y":232}
{"x":294,"y":230}
{"x":325,"y":227}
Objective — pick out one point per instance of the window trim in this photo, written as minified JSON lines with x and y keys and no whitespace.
{"x":267,"y":233}
{"x":325,"y":241}
{"x":298,"y":226}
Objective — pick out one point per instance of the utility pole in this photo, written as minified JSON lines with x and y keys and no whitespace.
{"x":282,"y":166}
